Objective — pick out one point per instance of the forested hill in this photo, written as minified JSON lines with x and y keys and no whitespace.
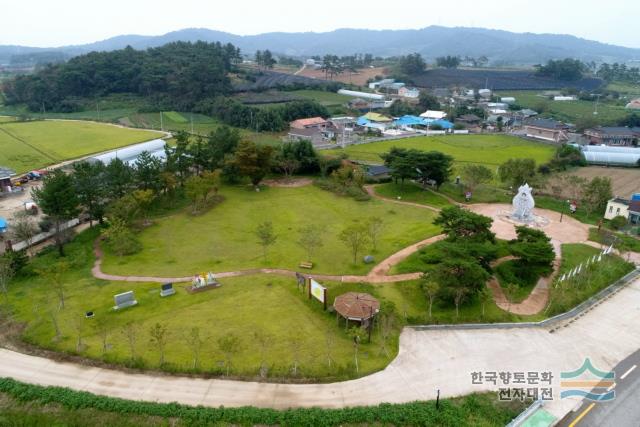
{"x":181,"y":72}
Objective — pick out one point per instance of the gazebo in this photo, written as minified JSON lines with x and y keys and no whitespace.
{"x":356,"y":306}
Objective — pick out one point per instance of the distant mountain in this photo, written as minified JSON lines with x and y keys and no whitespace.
{"x":501,"y":47}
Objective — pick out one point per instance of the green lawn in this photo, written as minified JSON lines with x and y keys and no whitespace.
{"x":223,"y":239}
{"x":570,"y":111}
{"x":30,"y":145}
{"x":490,"y":150}
{"x":411,"y":192}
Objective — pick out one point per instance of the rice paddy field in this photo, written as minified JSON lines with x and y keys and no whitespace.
{"x":36,"y":144}
{"x":489,"y":150}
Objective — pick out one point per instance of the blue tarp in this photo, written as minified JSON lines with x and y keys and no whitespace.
{"x":3,"y":225}
{"x":364,"y":122}
{"x":419,"y":121}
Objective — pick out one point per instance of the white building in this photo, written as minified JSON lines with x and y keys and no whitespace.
{"x":617,"y":207}
{"x":364,"y":95}
{"x":434,"y":115}
{"x":409,"y":92}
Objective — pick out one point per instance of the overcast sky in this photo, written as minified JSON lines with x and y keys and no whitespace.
{"x":62,"y":22}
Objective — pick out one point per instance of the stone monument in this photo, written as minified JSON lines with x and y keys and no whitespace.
{"x":523,"y":205}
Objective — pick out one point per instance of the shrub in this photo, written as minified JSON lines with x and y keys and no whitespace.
{"x":618,"y":222}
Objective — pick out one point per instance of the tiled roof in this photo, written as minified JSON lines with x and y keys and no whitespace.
{"x":308,"y":122}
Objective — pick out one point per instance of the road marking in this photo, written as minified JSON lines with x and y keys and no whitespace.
{"x":628,"y":372}
{"x":582,"y":415}
{"x":611,"y":387}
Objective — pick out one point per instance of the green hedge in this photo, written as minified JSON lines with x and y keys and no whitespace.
{"x":477,"y":409}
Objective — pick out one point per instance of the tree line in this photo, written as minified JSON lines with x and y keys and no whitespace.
{"x":179,"y":74}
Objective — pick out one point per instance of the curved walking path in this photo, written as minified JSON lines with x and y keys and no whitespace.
{"x":428,"y":360}
{"x":371,"y":190}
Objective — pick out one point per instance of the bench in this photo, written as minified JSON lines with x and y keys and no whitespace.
{"x":306,"y":264}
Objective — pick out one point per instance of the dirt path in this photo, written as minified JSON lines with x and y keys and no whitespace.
{"x":537,"y":299}
{"x":371,"y":190}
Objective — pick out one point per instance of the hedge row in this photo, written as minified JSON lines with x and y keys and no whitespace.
{"x":473,"y":409}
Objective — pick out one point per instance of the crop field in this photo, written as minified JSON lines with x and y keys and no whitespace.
{"x":490,"y":150}
{"x":202,"y":125}
{"x":358,"y":78}
{"x":31,"y":145}
{"x":569,"y":111}
{"x":624,"y":181}
{"x":272,"y":80}
{"x":497,"y":80}
{"x":323,"y":97}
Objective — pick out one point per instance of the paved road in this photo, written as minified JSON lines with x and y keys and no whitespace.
{"x":623,"y":411}
{"x":428,"y":360}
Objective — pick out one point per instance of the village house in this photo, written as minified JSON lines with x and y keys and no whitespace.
{"x":629,"y":209}
{"x":613,"y":136}
{"x":312,"y":122}
{"x":547,"y":130}
{"x":409,"y":92}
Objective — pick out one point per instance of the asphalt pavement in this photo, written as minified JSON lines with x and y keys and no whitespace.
{"x":622,"y":411}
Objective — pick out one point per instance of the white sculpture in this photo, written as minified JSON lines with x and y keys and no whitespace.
{"x":523,"y":204}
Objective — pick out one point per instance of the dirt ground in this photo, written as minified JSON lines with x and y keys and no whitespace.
{"x":625,"y":181}
{"x":360,"y":78}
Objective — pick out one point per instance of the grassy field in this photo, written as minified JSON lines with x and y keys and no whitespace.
{"x":569,"y":111}
{"x":411,"y":192}
{"x":624,"y":88}
{"x":224,"y":238}
{"x":490,"y":150}
{"x":30,"y":145}
{"x":589,"y":282}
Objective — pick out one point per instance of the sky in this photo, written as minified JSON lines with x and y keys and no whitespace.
{"x":48,"y":23}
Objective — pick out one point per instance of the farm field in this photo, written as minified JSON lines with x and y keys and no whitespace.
{"x":498,"y":80}
{"x":223,"y":239}
{"x":203,"y":125}
{"x":359,"y":79}
{"x":624,"y":181}
{"x":490,"y":150}
{"x":569,"y":111}
{"x":624,"y":88}
{"x":323,"y":97}
{"x":35,"y":144}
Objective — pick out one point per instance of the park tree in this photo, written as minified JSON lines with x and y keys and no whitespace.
{"x":533,"y":248}
{"x":310,"y":239}
{"x":230,"y":345}
{"x":119,"y":178}
{"x":102,"y":328}
{"x":459,"y":224}
{"x":24,"y":228}
{"x":431,"y":290}
{"x":264,"y":340}
{"x":6,"y":274}
{"x":474,"y":175}
{"x":432,"y":166}
{"x":178,"y":159}
{"x":209,"y":154}
{"x":401,"y":165}
{"x":125,"y":209}
{"x":144,"y":199}
{"x":375,"y":225}
{"x":158,"y":338}
{"x":357,"y":334}
{"x":485,"y":298}
{"x":517,"y":172}
{"x":458,"y":278}
{"x":130,"y":332}
{"x":194,"y":341}
{"x":286,"y":160}
{"x":253,"y":161}
{"x":266,"y":236}
{"x":147,"y":172}
{"x":121,"y":240}
{"x":596,"y":194}
{"x":57,"y":199}
{"x":54,"y":275}
{"x":355,"y":237}
{"x":91,"y":188}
